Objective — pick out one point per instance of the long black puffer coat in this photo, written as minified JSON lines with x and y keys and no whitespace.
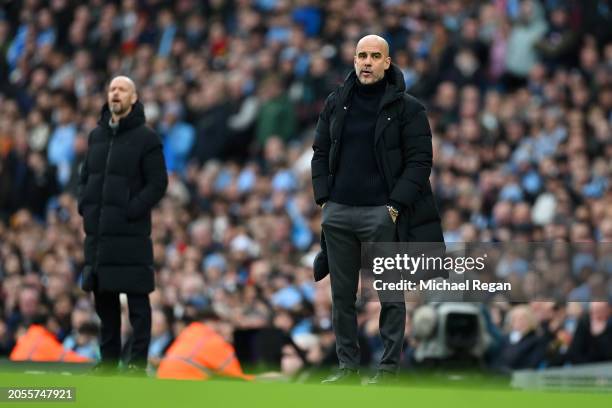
{"x":122,"y":178}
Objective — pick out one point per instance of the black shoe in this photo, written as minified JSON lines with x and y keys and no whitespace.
{"x":104,"y":369}
{"x":384,"y":378}
{"x":343,"y":376}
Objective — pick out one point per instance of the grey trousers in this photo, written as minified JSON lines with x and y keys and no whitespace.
{"x":345,"y":228}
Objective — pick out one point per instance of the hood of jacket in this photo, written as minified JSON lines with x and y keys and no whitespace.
{"x":135,"y":118}
{"x":395,"y":88}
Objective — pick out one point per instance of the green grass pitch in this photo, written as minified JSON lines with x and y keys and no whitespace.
{"x":120,"y":392}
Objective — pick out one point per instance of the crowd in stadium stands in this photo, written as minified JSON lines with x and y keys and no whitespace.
{"x":519,"y":97}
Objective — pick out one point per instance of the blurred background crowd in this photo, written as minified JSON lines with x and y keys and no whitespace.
{"x":519,"y":97}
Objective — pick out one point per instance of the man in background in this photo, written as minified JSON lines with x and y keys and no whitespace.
{"x":122,"y":178}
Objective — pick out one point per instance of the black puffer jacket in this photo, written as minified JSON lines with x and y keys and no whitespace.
{"x":122,"y":178}
{"x":403,"y":152}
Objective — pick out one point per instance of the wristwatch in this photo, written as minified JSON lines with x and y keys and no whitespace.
{"x":393,"y":211}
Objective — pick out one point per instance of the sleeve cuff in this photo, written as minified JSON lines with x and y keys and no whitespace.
{"x":321,"y":201}
{"x":398,"y":206}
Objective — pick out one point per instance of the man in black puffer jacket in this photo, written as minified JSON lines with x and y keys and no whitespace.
{"x":370,"y":173}
{"x":122,"y":178}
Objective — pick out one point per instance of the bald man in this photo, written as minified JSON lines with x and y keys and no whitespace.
{"x":122,"y":178}
{"x":370,"y":174}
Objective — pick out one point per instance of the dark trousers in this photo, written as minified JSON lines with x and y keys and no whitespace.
{"x":109,"y":311}
{"x":345,"y":228}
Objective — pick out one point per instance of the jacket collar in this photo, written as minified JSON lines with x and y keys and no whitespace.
{"x":394,"y":90}
{"x":134,"y":119}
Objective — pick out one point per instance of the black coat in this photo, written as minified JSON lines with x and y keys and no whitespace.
{"x":403,"y":154}
{"x":528,"y":352}
{"x":122,"y":178}
{"x":587,"y":348}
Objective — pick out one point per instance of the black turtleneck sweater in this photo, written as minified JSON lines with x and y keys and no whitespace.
{"x":358,"y":180}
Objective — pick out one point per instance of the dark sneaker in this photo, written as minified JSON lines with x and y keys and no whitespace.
{"x":343,"y":376}
{"x":384,"y":378}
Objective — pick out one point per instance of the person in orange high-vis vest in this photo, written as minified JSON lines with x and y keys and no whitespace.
{"x":39,"y":344}
{"x":199,"y":353}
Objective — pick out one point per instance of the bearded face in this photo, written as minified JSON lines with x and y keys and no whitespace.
{"x":121,"y":96}
{"x":371,"y":60}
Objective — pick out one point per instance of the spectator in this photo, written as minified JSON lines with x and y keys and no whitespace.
{"x":178,"y":138}
{"x":593,"y":336}
{"x":161,"y":337}
{"x":85,"y":342}
{"x":276,"y":117}
{"x":83,"y":338}
{"x":521,"y":54}
{"x":524,"y":347}
{"x":61,"y":143}
{"x":557,"y":45}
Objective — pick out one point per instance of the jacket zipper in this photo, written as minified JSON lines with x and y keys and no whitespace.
{"x":108,"y":156}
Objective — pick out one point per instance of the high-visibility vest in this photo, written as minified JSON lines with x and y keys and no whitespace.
{"x":39,"y":344}
{"x":199,"y":353}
